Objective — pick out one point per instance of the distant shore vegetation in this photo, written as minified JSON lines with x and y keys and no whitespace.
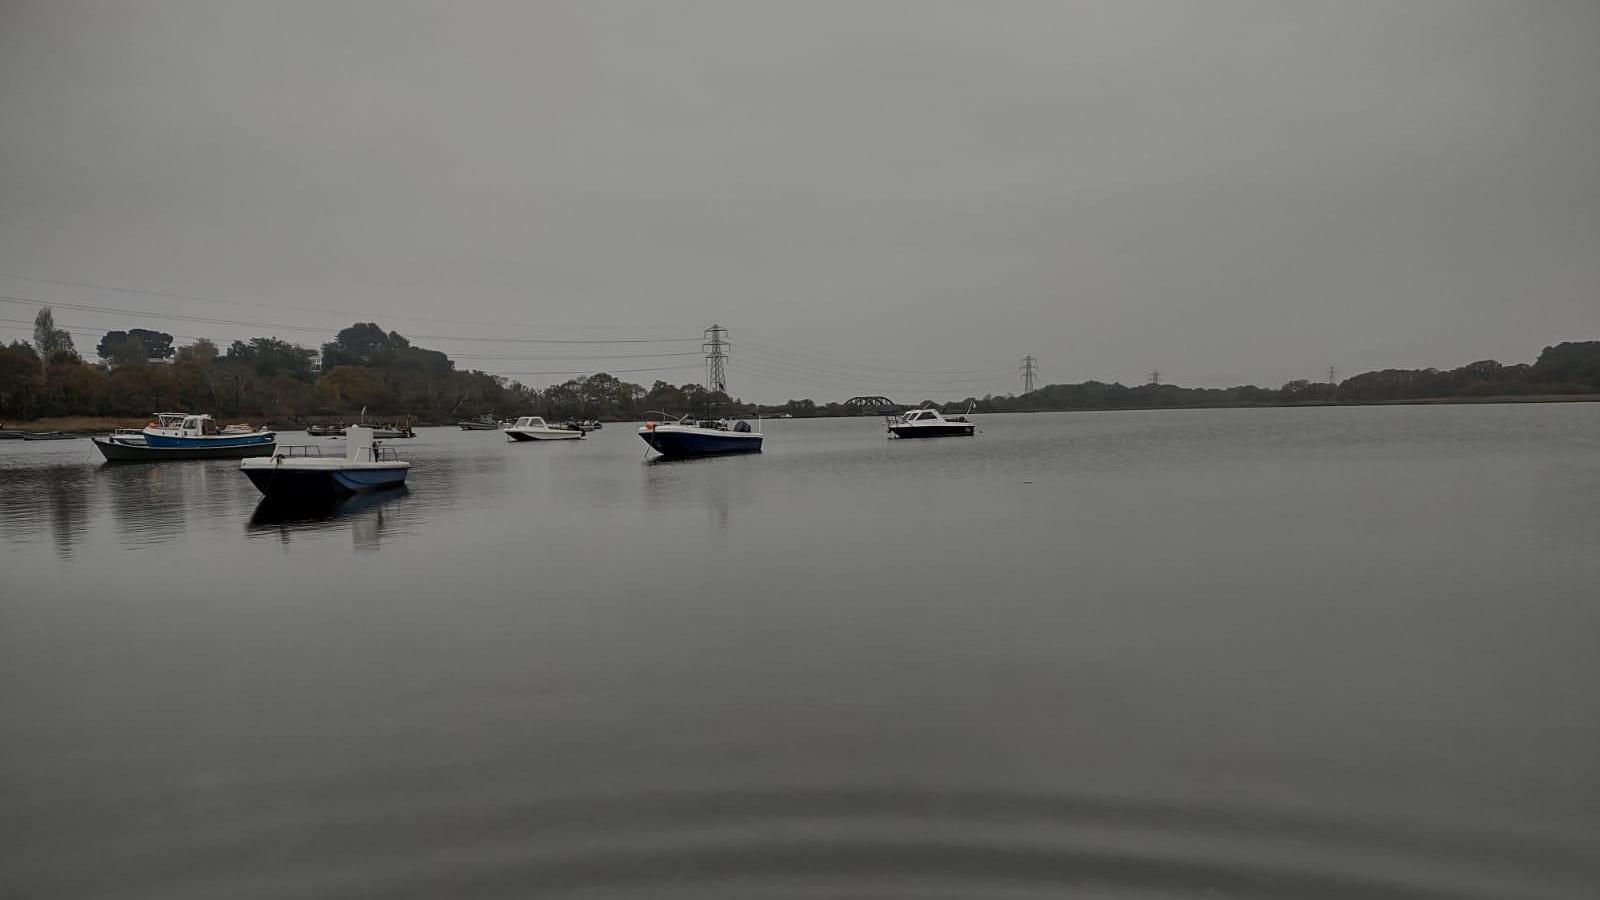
{"x":139,"y":371}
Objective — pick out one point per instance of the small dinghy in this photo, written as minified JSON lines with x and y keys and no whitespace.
{"x":303,"y":474}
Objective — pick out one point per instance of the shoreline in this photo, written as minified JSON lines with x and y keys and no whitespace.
{"x":90,"y":425}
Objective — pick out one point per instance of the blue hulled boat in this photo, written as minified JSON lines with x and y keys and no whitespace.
{"x":185,"y":436}
{"x":183,"y":431}
{"x":701,"y":438}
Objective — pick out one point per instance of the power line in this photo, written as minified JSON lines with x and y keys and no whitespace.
{"x":865,"y":374}
{"x":605,"y":371}
{"x":833,"y":362}
{"x":856,"y":385}
{"x":319,"y":310}
{"x":594,"y":356}
{"x":852,"y":379}
{"x":209,"y":320}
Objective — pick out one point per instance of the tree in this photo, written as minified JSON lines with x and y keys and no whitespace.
{"x":201,"y":352}
{"x":122,"y":349}
{"x":349,"y":388}
{"x":354,"y":346}
{"x":49,"y":339}
{"x":21,"y":381}
{"x":72,"y":387}
{"x":269,"y":356}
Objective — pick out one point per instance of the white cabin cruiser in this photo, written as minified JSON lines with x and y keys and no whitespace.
{"x":922,"y":423}
{"x":534,"y":428}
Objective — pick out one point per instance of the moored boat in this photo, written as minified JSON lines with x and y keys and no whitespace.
{"x":47,"y":436}
{"x":115,"y":451}
{"x":703,"y":437}
{"x":486,"y":423}
{"x":172,"y":431}
{"x":184,"y":436}
{"x":391,"y":431}
{"x":302,"y":473}
{"x":534,"y":428}
{"x":925,"y":423}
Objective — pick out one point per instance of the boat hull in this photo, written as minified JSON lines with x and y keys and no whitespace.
{"x":283,"y":484}
{"x":478,"y":426}
{"x":679,"y":442}
{"x":116,"y":451}
{"x":544,"y":435}
{"x":948,"y":429}
{"x":157,"y":441}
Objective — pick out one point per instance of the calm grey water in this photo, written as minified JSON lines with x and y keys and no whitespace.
{"x":1246,"y":653}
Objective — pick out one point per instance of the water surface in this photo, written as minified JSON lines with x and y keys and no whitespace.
{"x":1240,"y":653}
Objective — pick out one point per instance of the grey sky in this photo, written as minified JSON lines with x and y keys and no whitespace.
{"x":1227,"y":191}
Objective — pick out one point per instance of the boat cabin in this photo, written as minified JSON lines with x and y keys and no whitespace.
{"x":529,"y":422}
{"x":183,"y":425}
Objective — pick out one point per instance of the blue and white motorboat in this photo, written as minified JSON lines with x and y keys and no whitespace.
{"x":303,"y":473}
{"x":173,"y":431}
{"x":703,"y":437}
{"x":183,"y":436}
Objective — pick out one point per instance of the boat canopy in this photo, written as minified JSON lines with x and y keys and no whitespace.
{"x":529,"y":422}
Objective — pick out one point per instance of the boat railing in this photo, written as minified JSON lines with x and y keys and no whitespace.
{"x":299,"y":450}
{"x":385,"y":454}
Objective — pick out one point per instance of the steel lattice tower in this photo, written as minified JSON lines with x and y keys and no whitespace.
{"x":1028,"y":369}
{"x":716,"y":348}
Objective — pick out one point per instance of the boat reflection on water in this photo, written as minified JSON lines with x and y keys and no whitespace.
{"x":717,"y":484}
{"x":364,"y":513}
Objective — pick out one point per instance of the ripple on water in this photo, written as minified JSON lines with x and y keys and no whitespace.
{"x":801,"y":842}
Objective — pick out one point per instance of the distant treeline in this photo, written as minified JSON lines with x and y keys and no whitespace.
{"x":364,"y":367}
{"x":1565,"y":369}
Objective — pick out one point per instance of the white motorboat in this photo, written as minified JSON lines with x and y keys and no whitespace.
{"x":925,"y":423}
{"x":534,"y":428}
{"x":303,"y":473}
{"x":703,"y":437}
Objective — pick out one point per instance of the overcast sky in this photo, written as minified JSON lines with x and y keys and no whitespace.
{"x":874,"y":197}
